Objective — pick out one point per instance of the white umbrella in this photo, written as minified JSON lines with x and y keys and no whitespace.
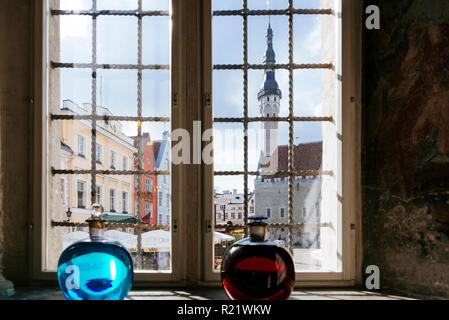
{"x":71,"y":237}
{"x":219,"y":237}
{"x":152,"y":241}
{"x":118,"y":235}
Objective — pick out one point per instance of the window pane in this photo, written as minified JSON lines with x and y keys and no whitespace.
{"x":117,"y":39}
{"x":228,"y":211}
{"x":315,"y":148}
{"x":116,"y":94}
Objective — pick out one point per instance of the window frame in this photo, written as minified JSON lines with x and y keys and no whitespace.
{"x":111,"y":152}
{"x":190,"y":263}
{"x":85,"y":193}
{"x":38,"y":271}
{"x":126,"y":202}
{"x":101,"y":186}
{"x":84,"y":138}
{"x":350,"y":48}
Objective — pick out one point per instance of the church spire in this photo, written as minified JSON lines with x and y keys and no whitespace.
{"x":270,"y":86}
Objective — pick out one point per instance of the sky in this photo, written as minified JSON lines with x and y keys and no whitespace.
{"x":117,"y":89}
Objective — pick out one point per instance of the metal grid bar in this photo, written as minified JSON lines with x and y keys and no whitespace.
{"x":139,"y":136}
{"x":245,"y":12}
{"x":290,"y":129}
{"x":93,"y":185}
{"x":96,"y":13}
{"x":279,"y":119}
{"x":245,"y":116}
{"x":286,"y":66}
{"x":111,"y":172}
{"x":292,"y":173}
{"x":106,"y":66}
{"x":106,"y":118}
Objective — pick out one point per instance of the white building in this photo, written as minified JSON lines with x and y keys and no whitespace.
{"x":271,"y":192}
{"x":161,"y":149}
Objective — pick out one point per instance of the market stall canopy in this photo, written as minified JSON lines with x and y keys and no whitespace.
{"x":118,"y":217}
{"x":71,"y":237}
{"x":219,"y":237}
{"x":152,"y":241}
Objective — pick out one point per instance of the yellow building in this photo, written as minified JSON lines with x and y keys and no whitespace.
{"x":114,"y":151}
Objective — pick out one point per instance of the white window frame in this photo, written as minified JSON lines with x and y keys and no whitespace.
{"x":114,"y":209}
{"x":111,"y":152}
{"x":127,"y":201}
{"x":85,"y":196}
{"x":125,"y":162}
{"x":101,"y":186}
{"x":149,"y":185}
{"x":100,"y":160}
{"x":84,"y":149}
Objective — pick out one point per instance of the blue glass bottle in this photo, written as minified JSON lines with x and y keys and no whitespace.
{"x":256,"y":268}
{"x":95,"y":268}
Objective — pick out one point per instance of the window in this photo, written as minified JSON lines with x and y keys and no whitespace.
{"x":167,"y":198}
{"x":125,"y":163}
{"x":161,"y":198}
{"x":81,"y":142}
{"x":268,"y":212}
{"x":99,"y":194}
{"x":148,"y":209}
{"x":95,"y":68}
{"x":304,"y":214}
{"x":251,"y":210}
{"x":99,"y":153}
{"x":112,"y":199}
{"x":124,"y":201}
{"x":240,"y":215}
{"x":282,"y":212}
{"x":81,"y":194}
{"x":149,"y":161}
{"x":148,"y":185}
{"x":113,"y":160}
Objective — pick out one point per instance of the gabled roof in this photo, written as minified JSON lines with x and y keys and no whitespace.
{"x":156,"y":148}
{"x":162,"y":144}
{"x":307,"y":156}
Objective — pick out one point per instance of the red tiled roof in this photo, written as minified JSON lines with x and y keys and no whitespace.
{"x":307,"y":156}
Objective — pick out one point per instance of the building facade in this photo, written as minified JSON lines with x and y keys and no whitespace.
{"x":161,"y":150}
{"x":271,"y":191}
{"x":148,"y":183}
{"x":114,"y":151}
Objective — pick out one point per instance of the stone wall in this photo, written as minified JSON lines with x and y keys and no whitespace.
{"x":15,"y":106}
{"x":406,"y":146}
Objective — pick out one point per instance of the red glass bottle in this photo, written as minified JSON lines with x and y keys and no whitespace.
{"x":256,"y":268}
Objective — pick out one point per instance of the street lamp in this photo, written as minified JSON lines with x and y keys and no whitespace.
{"x":68,"y":213}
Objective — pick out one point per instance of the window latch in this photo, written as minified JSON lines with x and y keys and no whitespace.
{"x":208,"y":226}
{"x":175,"y":225}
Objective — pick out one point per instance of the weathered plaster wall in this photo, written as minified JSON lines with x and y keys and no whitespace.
{"x":15,"y":72}
{"x":406,"y":146}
